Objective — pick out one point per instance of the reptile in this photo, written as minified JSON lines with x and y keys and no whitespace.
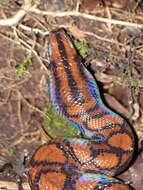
{"x":106,"y":145}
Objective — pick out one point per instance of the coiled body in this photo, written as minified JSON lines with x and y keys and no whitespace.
{"x":107,"y":144}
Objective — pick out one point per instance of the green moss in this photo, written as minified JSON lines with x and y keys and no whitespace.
{"x":23,"y":66}
{"x":57,"y":126}
{"x":82,"y":48}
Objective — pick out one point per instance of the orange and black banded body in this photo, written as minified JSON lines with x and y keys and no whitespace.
{"x":107,"y":147}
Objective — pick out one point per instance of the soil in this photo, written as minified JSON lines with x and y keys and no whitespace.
{"x":115,"y":57}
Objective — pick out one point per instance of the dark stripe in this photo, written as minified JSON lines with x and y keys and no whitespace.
{"x":69,"y":182}
{"x":89,"y":79}
{"x":71,"y":82}
{"x":56,"y":89}
{"x":45,"y":163}
{"x":100,"y":115}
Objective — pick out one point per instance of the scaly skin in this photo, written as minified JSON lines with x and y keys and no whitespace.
{"x":107,"y":144}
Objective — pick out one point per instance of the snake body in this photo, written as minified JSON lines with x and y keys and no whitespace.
{"x":107,"y":145}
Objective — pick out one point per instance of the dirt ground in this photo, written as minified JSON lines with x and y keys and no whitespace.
{"x":115,"y":57}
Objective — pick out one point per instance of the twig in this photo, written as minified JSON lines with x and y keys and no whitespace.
{"x":137,"y":4}
{"x":18,"y":16}
{"x":84,"y":15}
{"x":12,"y":185}
{"x":35,"y":30}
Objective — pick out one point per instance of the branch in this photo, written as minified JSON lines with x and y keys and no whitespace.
{"x":84,"y":15}
{"x":18,"y":16}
